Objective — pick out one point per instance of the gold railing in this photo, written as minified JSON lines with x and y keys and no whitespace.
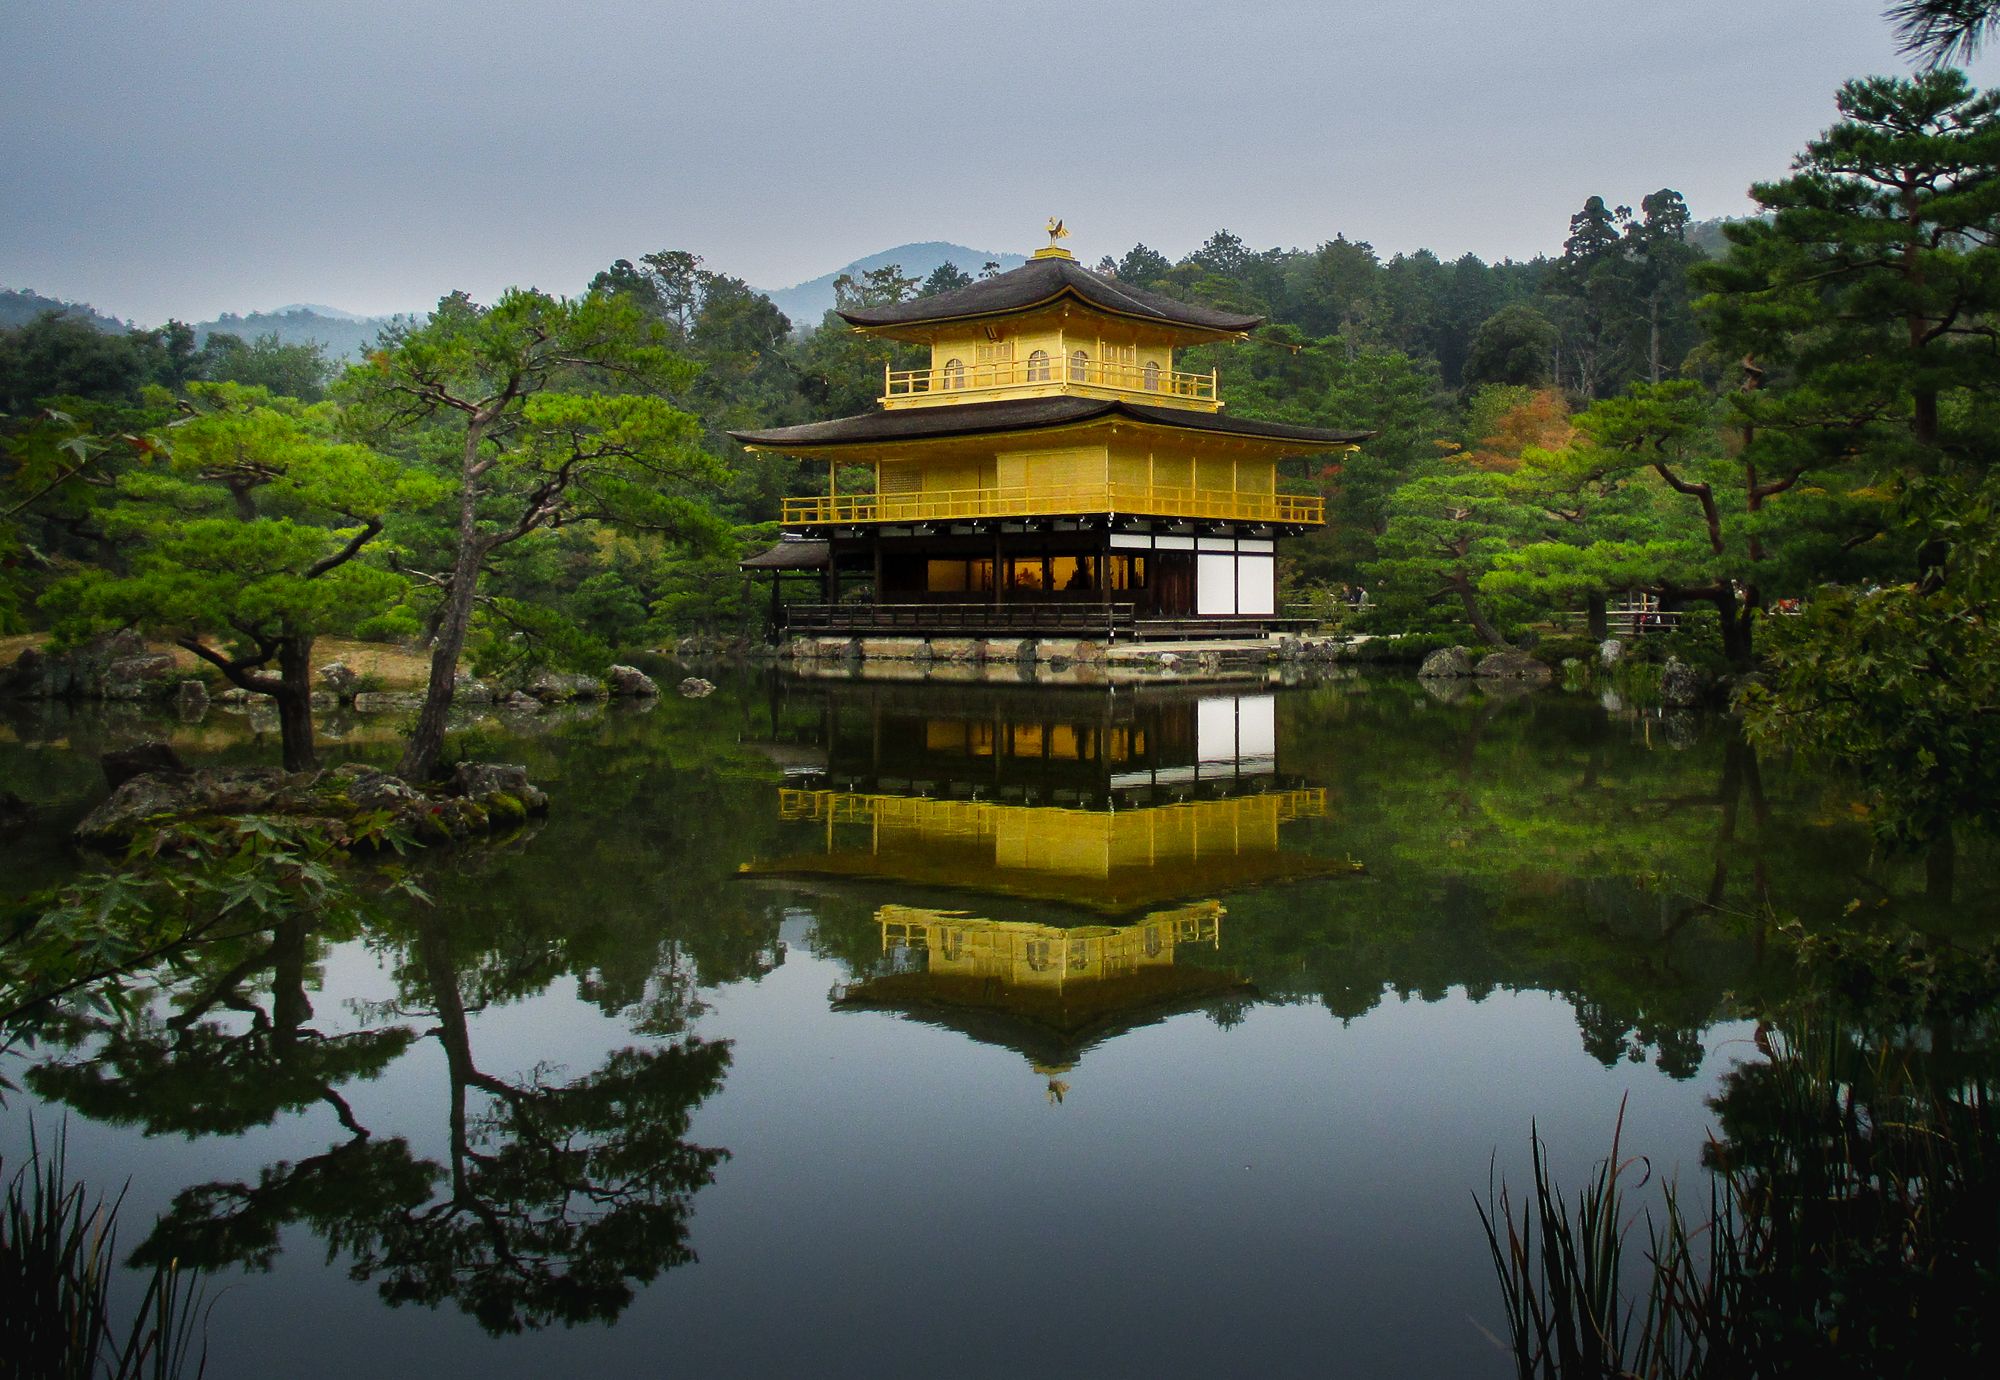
{"x":975,"y":818}
{"x":946,"y":383}
{"x":1021,"y":500}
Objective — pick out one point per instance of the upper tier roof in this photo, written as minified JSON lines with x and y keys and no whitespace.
{"x":1041,"y":281}
{"x":1029,"y":414}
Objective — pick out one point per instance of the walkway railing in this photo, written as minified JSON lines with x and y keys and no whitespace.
{"x":945,"y":382}
{"x":1022,"y":500}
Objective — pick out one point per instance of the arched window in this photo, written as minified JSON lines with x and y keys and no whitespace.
{"x":1038,"y":367}
{"x":1040,"y":960}
{"x":954,"y":373}
{"x":1152,"y":376}
{"x":1079,"y":367}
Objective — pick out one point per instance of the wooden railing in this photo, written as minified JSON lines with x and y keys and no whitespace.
{"x":943,"y":383}
{"x":1021,"y":500}
{"x":1624,"y":624}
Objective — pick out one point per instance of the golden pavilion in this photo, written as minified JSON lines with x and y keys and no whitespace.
{"x":1048,"y":470}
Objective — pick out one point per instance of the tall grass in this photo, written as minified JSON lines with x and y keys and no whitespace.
{"x":1853,"y":1228}
{"x":57,"y":1258}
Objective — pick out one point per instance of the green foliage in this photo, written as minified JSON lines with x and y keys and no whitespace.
{"x":195,"y":884}
{"x":1897,"y":683}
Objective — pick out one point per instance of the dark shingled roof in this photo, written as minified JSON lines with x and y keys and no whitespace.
{"x":1029,"y":414}
{"x":1043,"y":280}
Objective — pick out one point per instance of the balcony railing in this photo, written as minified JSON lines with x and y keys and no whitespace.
{"x":1139,"y":500}
{"x":970,"y":380}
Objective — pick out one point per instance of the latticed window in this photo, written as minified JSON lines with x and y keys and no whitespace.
{"x":1152,"y":376}
{"x":1038,"y":367}
{"x":954,"y":373}
{"x":1079,"y":367}
{"x":994,"y":363}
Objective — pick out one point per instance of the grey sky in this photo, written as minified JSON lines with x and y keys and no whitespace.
{"x":185,"y":157}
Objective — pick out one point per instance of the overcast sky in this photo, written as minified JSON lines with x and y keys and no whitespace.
{"x":184,"y":157}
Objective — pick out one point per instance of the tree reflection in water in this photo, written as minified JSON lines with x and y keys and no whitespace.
{"x":557,"y":1196}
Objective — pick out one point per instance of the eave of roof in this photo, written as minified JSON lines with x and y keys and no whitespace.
{"x":1029,"y":414}
{"x":1038,"y":283}
{"x":788,"y":555}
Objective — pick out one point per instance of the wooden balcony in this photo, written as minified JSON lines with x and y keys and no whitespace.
{"x":1138,"y":500}
{"x":1031,"y":377}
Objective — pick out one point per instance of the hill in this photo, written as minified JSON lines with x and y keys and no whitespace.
{"x":806,"y":303}
{"x":343,"y":335}
{"x":18,"y":308}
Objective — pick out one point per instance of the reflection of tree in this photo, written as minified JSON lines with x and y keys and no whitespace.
{"x":199,"y":1077}
{"x":1863,"y":1170}
{"x":559,"y":1194}
{"x":556,"y":1197}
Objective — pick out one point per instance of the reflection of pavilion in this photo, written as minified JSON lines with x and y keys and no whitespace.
{"x":1129,"y":805}
{"x":1112,"y":802}
{"x":1043,"y":990}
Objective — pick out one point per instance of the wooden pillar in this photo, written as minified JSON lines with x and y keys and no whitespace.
{"x":875,"y":539}
{"x":999,"y":569}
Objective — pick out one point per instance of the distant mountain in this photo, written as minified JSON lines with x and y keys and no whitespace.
{"x":343,"y":335}
{"x":807,"y":303}
{"x":18,"y":308}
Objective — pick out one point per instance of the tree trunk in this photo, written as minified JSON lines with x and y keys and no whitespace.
{"x":426,"y":745}
{"x":1736,"y":627}
{"x":1477,"y":616}
{"x":1597,"y":615}
{"x":294,"y":697}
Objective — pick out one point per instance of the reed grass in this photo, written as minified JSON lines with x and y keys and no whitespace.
{"x":58,"y":1254}
{"x":1853,"y":1228}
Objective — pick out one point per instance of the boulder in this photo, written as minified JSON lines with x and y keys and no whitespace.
{"x":146,"y":676}
{"x":467,"y":689}
{"x":555,"y":687}
{"x":339,"y":679}
{"x":1610,"y":651}
{"x":484,"y":780}
{"x":519,"y":700}
{"x":387,"y":701}
{"x":191,"y":700}
{"x":1513,"y":666}
{"x":631,"y":682}
{"x":370,"y":789}
{"x":1447,"y":663}
{"x":956,"y":651}
{"x":1680,"y":684}
{"x":695,"y":688}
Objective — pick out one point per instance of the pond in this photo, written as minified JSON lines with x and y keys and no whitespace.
{"x":905,"y":1029}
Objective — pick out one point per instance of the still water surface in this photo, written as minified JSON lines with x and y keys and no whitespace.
{"x":909,"y":1029}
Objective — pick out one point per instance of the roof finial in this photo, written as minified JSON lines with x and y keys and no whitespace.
{"x":1054,"y":250}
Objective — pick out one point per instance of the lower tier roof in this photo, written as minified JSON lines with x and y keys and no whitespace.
{"x":1030,"y":414}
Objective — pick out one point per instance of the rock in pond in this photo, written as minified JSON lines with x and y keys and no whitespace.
{"x":1513,"y":666}
{"x":339,"y":679}
{"x":1447,"y":663}
{"x":554,"y":687}
{"x":695,"y":688}
{"x":479,"y":798}
{"x":630,"y":681}
{"x":1680,"y":684}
